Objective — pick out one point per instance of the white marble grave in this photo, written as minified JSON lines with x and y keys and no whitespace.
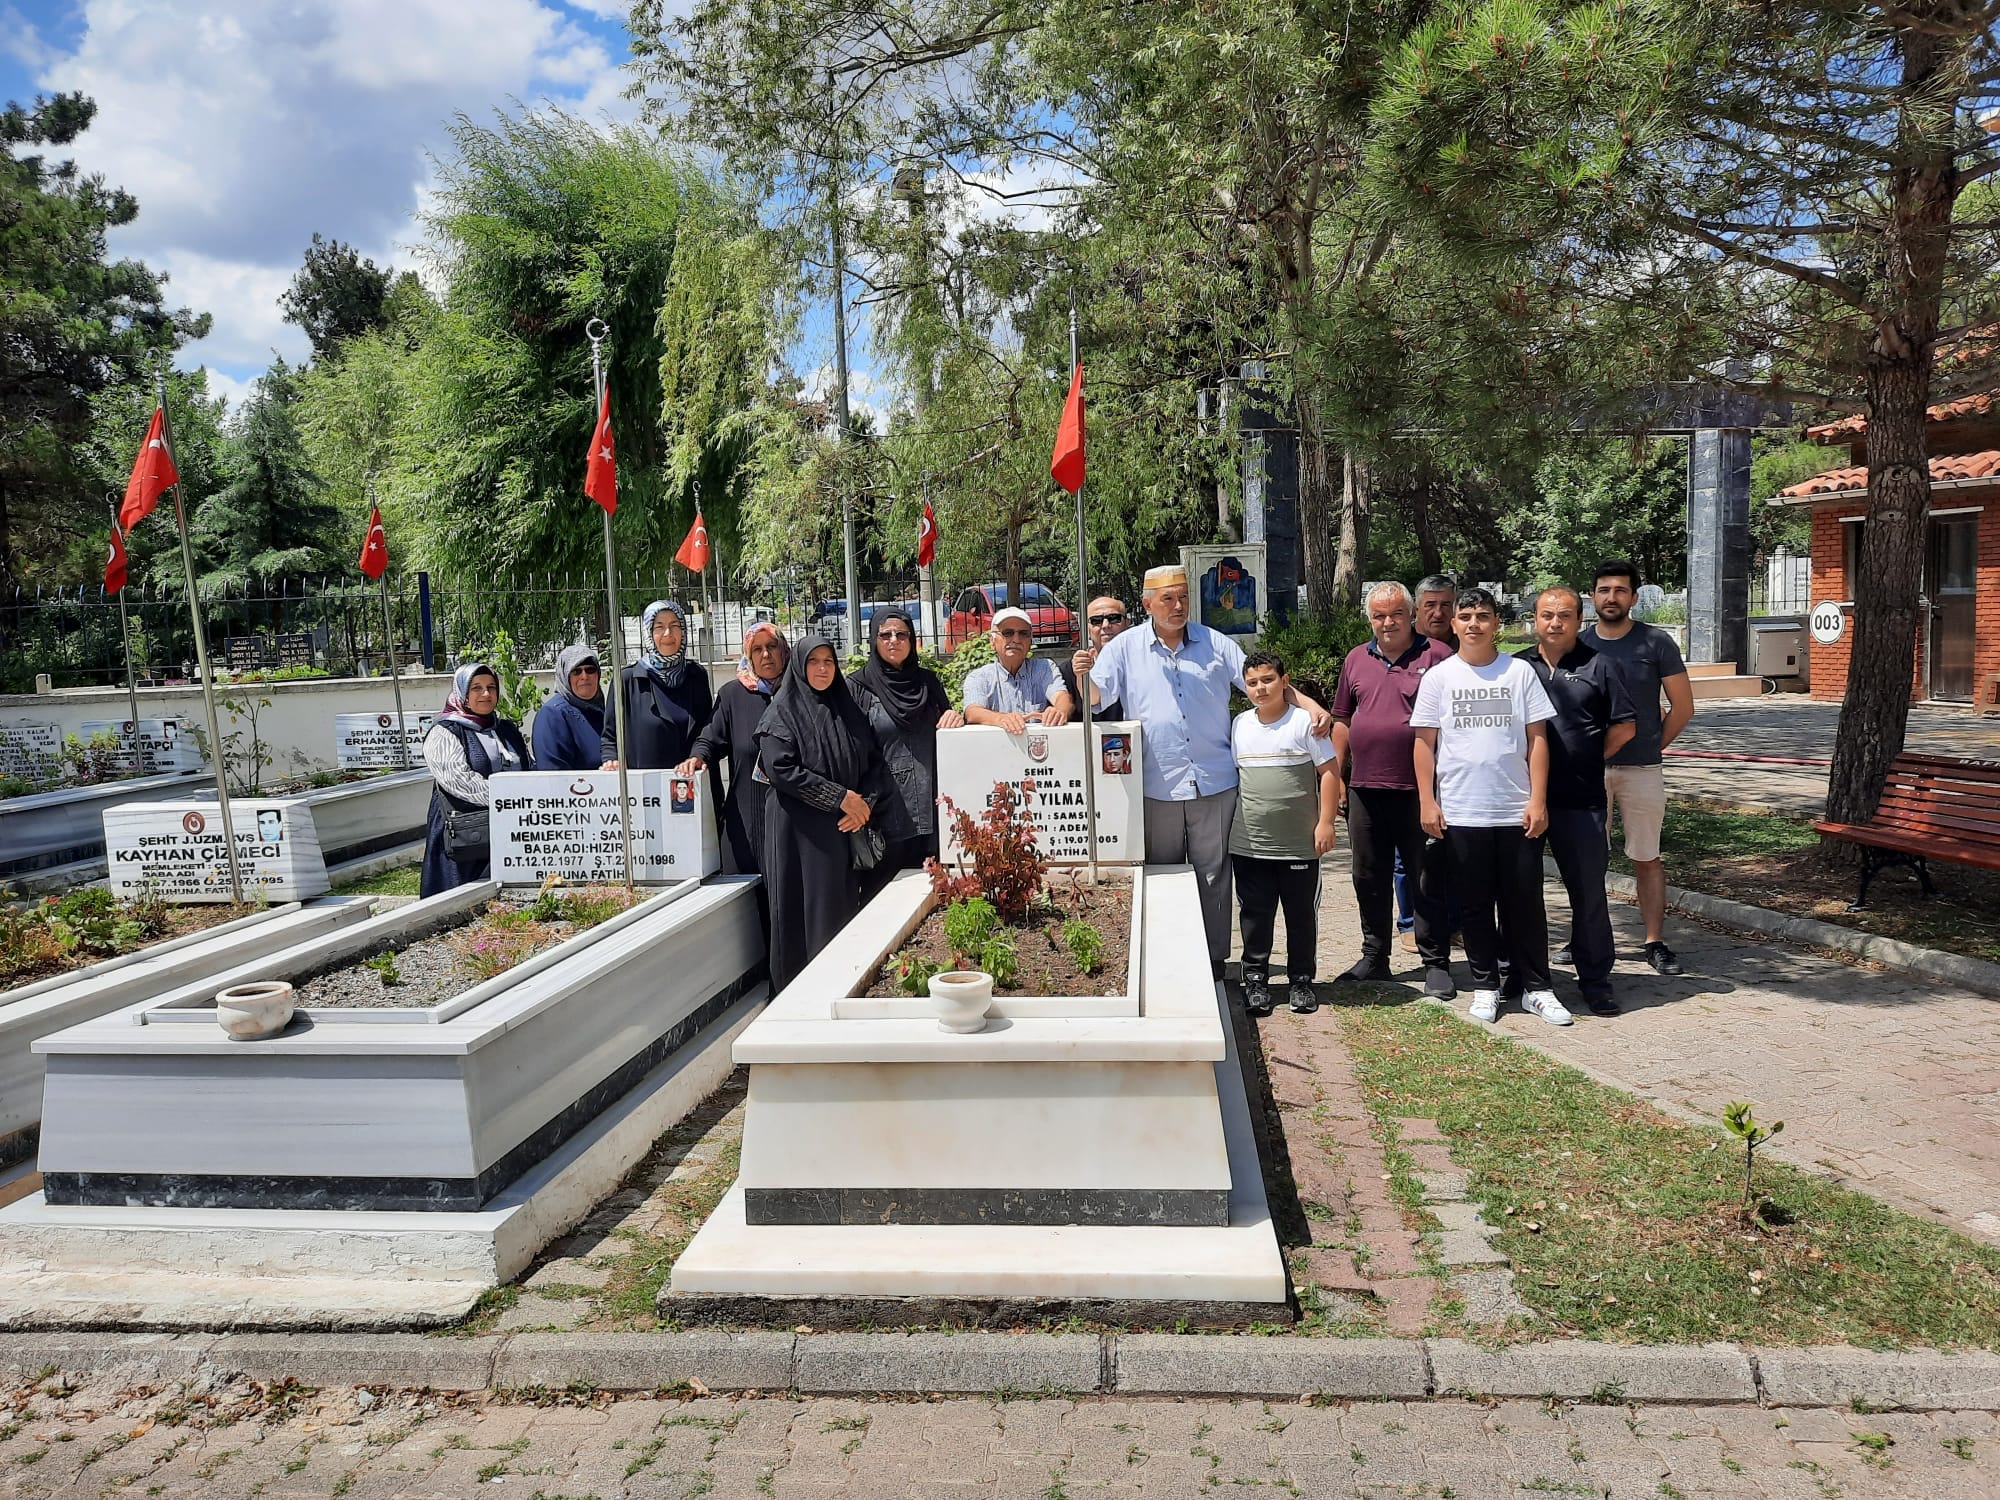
{"x":33,"y":751}
{"x":162,"y":744}
{"x":972,"y":759}
{"x":174,"y":850}
{"x":368,"y":741}
{"x":565,"y":824}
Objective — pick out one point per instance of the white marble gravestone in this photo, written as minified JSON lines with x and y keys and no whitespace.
{"x":972,"y":759}
{"x":367,"y":742}
{"x":174,"y":850}
{"x":31,"y":750}
{"x":565,"y":823}
{"x":163,"y":744}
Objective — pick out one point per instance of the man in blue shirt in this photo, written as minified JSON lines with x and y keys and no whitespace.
{"x":1017,"y":684}
{"x":1174,"y":677}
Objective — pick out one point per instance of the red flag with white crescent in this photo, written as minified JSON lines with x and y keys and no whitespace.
{"x":600,"y":474}
{"x":114,"y":563}
{"x":694,"y":546}
{"x":375,"y":551}
{"x":1066,"y":465}
{"x":926,"y":537}
{"x":153,"y":474}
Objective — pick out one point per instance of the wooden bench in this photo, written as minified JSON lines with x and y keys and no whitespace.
{"x":1932,"y":807}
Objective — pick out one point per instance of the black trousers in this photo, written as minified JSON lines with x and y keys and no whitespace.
{"x":1262,"y":885}
{"x":1499,"y":870}
{"x":1576,"y":839}
{"x":1382,"y":823}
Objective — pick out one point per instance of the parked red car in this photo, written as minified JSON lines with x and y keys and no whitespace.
{"x":972,"y":614}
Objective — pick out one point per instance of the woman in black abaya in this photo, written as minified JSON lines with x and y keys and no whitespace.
{"x":731,"y":735}
{"x":906,"y":706}
{"x":825,"y":771}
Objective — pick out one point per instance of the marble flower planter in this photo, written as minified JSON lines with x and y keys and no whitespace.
{"x":32,"y":1011}
{"x":47,"y":829}
{"x":1070,"y":1150}
{"x":423,"y":1110}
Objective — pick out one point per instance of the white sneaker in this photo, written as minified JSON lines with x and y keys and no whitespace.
{"x":1544,"y":1004}
{"x":1485,"y":1006}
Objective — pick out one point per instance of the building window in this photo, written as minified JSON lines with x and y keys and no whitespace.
{"x":1851,"y":553}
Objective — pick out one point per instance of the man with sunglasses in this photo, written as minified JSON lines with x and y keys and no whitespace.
{"x":1018,"y":685}
{"x":1106,"y":618}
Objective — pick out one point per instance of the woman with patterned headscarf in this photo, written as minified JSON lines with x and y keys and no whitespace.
{"x":732,"y":736}
{"x":664,"y":698}
{"x":467,"y":743}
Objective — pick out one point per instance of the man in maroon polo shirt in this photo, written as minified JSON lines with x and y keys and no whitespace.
{"x":1371,"y":713}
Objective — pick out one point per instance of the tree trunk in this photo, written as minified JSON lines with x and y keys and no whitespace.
{"x":1423,"y":522}
{"x":1355,"y":499}
{"x":1923,"y":190}
{"x":1319,"y":508}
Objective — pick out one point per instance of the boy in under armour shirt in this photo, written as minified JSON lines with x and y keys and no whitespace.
{"x":1287,"y":801}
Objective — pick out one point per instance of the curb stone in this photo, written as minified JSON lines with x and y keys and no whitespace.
{"x":1083,"y":1364}
{"x":719,"y":1359}
{"x":1166,"y":1364}
{"x":1918,"y":1380}
{"x":1580,"y":1369}
{"x":961,"y":1363}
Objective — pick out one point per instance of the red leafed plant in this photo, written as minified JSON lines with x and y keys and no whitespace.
{"x":1007,"y":867}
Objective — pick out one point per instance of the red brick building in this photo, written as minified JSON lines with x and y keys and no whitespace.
{"x":1952,"y":657}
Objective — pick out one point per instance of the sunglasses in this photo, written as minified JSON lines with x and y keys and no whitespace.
{"x":1016,"y":635}
{"x":1107,"y":619}
{"x":592,"y":670}
{"x":893,"y":635}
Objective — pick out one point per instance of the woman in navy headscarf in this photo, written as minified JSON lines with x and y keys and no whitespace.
{"x":664,"y":697}
{"x":467,"y":743}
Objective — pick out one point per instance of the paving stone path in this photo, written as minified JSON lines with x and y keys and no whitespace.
{"x":224,"y":1441}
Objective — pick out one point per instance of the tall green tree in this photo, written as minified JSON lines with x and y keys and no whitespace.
{"x":1733,"y":178}
{"x":73,"y":324}
{"x":336,"y":295}
{"x":271,"y":520}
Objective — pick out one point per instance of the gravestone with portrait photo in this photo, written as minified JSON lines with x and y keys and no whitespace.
{"x":368,"y":741}
{"x":972,"y":759}
{"x":565,"y":824}
{"x":174,"y":850}
{"x":162,"y":744}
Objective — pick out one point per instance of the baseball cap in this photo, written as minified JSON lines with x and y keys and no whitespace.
{"x":1013,"y":614}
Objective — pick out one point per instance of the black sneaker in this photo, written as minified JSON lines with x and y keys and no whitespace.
{"x":1438,"y":985}
{"x":1367,"y":971}
{"x":1305,"y":999}
{"x":1257,"y":997}
{"x":1599,"y":1001}
{"x":1562,"y":956}
{"x":1662,"y":959}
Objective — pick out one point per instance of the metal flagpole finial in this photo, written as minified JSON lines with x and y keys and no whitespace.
{"x":597,"y":331}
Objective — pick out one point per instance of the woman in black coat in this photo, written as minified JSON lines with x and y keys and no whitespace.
{"x":907,"y":705}
{"x":467,"y":743}
{"x":824,"y":767}
{"x":664,"y":697}
{"x":731,"y":735}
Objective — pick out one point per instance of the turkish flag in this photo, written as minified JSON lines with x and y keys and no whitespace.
{"x":600,"y":474}
{"x":694,"y":546}
{"x":153,"y":474}
{"x":926,"y":537}
{"x":375,"y":551}
{"x":1066,"y":467}
{"x":114,"y":563}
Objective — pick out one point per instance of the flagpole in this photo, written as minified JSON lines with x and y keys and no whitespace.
{"x":125,"y":639}
{"x":1083,"y":606}
{"x":200,"y":645}
{"x":389,"y":642}
{"x":926,"y":594}
{"x":597,"y":330}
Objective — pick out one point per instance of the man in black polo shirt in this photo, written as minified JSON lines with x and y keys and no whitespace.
{"x":1594,"y":720}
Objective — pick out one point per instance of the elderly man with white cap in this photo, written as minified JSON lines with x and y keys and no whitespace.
{"x":1174,"y":677}
{"x":1017,"y":684}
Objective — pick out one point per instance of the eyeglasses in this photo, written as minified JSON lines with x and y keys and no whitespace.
{"x":1015,"y":635}
{"x":894,"y":635}
{"x":1117,"y":619}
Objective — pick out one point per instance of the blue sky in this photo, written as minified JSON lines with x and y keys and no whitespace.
{"x":242,"y":126}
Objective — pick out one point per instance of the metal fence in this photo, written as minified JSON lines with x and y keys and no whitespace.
{"x":1784,"y":587}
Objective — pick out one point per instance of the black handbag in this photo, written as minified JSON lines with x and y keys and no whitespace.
{"x":468,"y":836}
{"x":865,"y":847}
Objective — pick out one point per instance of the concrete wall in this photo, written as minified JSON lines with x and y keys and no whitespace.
{"x":300,"y":718}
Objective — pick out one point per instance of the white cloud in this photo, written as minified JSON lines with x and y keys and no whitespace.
{"x":242,"y":126}
{"x":222,"y":383}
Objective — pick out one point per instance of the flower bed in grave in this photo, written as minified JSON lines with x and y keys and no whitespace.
{"x":61,"y":934}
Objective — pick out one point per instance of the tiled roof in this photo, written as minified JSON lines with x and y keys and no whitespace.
{"x":1980,"y":405}
{"x":1945,"y":467}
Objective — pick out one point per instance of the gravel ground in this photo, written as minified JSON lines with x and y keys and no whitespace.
{"x":432,"y":970}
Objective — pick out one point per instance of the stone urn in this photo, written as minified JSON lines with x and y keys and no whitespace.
{"x":251,"y":1012}
{"x":960,"y":999}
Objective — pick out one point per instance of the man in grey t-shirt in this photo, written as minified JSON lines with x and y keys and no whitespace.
{"x":1634,"y":782}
